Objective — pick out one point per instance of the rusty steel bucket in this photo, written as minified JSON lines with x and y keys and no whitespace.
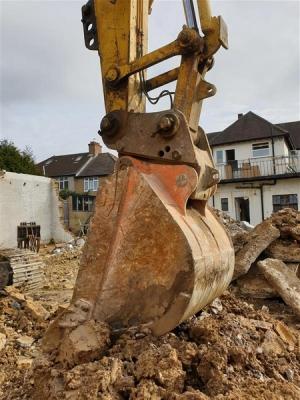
{"x":152,"y":256}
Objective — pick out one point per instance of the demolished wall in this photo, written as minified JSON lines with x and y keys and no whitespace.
{"x":29,"y":198}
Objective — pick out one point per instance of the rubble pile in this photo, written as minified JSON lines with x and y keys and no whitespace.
{"x":228,"y":351}
{"x":235,"y":228}
{"x":73,"y":246}
{"x":268,"y":258}
{"x":245,"y":345}
{"x":24,"y":319}
{"x":287,"y":247}
{"x":22,"y":323}
{"x":61,"y":269}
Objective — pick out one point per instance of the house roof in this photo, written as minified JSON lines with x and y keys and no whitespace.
{"x":248,"y":127}
{"x":293,"y":128}
{"x":80,"y":164}
{"x":65,"y":165}
{"x":102,"y":164}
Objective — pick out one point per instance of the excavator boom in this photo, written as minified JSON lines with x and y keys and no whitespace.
{"x":155,"y":253}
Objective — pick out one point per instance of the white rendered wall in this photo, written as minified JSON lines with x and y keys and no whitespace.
{"x":280,"y":147}
{"x":233,"y":190}
{"x":283,"y":186}
{"x":29,"y":198}
{"x":243,"y":150}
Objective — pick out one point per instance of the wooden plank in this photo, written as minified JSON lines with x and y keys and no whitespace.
{"x":28,"y":272}
{"x":21,"y":254}
{"x":28,"y":282}
{"x":27,"y":266}
{"x":22,"y":282}
{"x":24,"y":259}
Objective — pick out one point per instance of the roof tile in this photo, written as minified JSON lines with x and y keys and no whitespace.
{"x":83,"y":164}
{"x":253,"y":127}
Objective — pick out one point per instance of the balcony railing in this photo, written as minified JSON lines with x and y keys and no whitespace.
{"x":259,"y":168}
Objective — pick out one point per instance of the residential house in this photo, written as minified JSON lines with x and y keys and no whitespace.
{"x":259,"y":167}
{"x":79,"y":175}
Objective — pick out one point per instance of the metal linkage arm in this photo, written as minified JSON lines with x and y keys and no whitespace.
{"x":188,"y":41}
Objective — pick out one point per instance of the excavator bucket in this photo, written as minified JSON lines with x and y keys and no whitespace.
{"x":153,"y":257}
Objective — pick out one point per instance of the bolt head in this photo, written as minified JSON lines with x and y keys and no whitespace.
{"x":109,"y":125}
{"x":112,"y":75}
{"x":176,"y":155}
{"x":165,"y":123}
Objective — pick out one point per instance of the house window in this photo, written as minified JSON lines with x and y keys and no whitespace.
{"x":82,"y":202}
{"x":219,"y":156}
{"x":285,"y":200}
{"x":230,"y":155}
{"x":224,"y":204}
{"x":91,"y":184}
{"x":260,"y":149}
{"x":63,"y":182}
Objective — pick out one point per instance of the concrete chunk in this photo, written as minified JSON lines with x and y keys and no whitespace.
{"x":257,"y":241}
{"x":15,"y":294}
{"x":272,"y":344}
{"x":85,"y":343}
{"x":37,"y":311}
{"x":287,"y":221}
{"x":254,"y":284}
{"x":25,"y":341}
{"x":284,"y":250}
{"x":284,"y":281}
{"x":285,"y":334}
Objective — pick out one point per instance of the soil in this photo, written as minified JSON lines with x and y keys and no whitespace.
{"x":237,"y":348}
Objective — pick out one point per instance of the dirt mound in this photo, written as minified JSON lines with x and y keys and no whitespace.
{"x":24,"y":319}
{"x":21,"y":332}
{"x":288,"y":222}
{"x":237,"y":348}
{"x":61,"y":269}
{"x":227,"y":352}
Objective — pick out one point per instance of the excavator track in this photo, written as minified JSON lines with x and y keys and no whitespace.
{"x":21,"y":268}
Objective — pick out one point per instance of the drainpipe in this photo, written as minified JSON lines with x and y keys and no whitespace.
{"x":261,"y":189}
{"x":262,"y":195}
{"x":273,"y":151}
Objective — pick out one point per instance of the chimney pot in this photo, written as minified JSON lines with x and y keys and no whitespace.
{"x":95,"y":148}
{"x":240,"y":115}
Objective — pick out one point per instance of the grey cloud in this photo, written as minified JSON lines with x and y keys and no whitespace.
{"x":51,"y":93}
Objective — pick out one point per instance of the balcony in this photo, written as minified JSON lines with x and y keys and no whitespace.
{"x":260,"y":168}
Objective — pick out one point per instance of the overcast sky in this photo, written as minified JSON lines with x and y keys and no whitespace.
{"x":51,"y":98}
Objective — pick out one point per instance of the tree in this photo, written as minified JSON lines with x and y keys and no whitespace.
{"x":14,"y":160}
{"x":65,"y":193}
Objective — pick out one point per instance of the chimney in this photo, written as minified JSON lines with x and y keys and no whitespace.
{"x":94,"y":148}
{"x":240,"y":115}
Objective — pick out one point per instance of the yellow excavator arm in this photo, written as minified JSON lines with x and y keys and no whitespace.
{"x":118,"y":30}
{"x":155,"y":253}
